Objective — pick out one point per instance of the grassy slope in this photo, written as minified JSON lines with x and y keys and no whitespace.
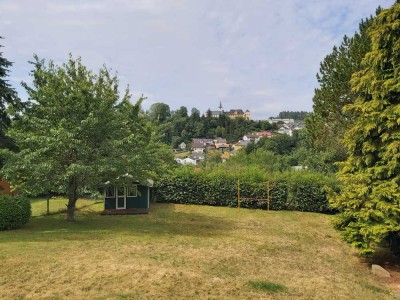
{"x":183,"y":252}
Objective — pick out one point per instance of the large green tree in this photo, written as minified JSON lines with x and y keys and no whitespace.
{"x":159,"y":112}
{"x":76,"y":133}
{"x":369,"y":203}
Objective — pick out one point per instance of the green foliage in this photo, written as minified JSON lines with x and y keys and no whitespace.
{"x":370,"y":200}
{"x":9,"y":101}
{"x":75,"y":134}
{"x":267,"y":286}
{"x":264,"y":160}
{"x":327,"y":124}
{"x":301,"y":191}
{"x":14,"y":212}
{"x":308,"y":191}
{"x":296,"y":115}
{"x":159,"y":112}
{"x":177,"y":126}
{"x":280,"y":144}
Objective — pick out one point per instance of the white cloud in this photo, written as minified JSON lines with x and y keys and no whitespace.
{"x":257,"y":54}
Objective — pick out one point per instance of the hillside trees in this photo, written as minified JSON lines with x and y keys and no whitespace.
{"x":178,"y":126}
{"x":75,"y":134}
{"x":159,"y":112}
{"x":369,"y":203}
{"x":296,"y":115}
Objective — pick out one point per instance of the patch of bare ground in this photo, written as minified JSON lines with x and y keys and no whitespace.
{"x":391,"y":263}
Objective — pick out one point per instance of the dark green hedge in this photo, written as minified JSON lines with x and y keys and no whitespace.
{"x":301,"y":191}
{"x":14,"y":212}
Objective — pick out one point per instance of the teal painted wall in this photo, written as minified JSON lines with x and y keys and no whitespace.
{"x":141,"y":201}
{"x":109,"y":203}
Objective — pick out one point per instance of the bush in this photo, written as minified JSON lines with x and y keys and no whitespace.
{"x":301,"y":191}
{"x":14,"y":212}
{"x":308,"y":191}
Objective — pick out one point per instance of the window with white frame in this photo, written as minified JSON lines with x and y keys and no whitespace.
{"x":109,"y":192}
{"x":132,"y":191}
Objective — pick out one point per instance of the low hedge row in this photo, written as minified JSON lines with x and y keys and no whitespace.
{"x":14,"y":212}
{"x":301,"y":191}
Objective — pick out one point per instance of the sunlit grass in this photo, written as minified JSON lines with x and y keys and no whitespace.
{"x":181,"y":252}
{"x":56,"y":205}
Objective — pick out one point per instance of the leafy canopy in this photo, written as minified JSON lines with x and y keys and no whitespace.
{"x":75,"y":134}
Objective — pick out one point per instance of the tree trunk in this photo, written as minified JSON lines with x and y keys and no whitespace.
{"x":72,"y":197}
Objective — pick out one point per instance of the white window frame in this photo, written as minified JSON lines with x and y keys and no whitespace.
{"x":128,"y":189}
{"x":116,"y":198}
{"x":105,"y":192}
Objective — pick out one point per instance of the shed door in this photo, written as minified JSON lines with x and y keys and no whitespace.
{"x":121,"y":198}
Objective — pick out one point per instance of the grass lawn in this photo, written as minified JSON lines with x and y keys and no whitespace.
{"x":56,"y":205}
{"x":182,"y":252}
{"x":182,"y":154}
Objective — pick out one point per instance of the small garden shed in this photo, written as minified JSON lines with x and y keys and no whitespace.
{"x":127,"y":199}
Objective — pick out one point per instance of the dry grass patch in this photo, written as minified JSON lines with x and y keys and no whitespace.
{"x":182,"y":252}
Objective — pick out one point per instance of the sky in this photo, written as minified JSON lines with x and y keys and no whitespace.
{"x":261,"y":55}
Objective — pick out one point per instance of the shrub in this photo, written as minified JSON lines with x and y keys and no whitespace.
{"x":14,"y":212}
{"x":308,"y":191}
{"x":301,"y":191}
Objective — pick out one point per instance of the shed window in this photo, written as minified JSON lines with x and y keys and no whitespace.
{"x":109,"y":192}
{"x":132,"y":191}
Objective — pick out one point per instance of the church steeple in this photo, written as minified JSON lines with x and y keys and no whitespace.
{"x":220,"y":106}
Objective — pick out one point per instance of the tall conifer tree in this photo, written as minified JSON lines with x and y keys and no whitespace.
{"x":8,"y":98}
{"x":370,"y":200}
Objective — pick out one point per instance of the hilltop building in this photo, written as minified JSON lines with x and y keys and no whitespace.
{"x":238,"y":113}
{"x":232,"y":114}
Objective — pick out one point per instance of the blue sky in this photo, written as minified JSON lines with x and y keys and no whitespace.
{"x":260,"y":55}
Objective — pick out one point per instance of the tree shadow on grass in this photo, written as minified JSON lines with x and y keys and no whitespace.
{"x":162,"y":222}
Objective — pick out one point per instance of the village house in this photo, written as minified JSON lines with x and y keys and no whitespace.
{"x":216,"y":113}
{"x":285,"y":129}
{"x":198,"y":147}
{"x":252,"y":137}
{"x":197,"y":157}
{"x":222,"y":146}
{"x":232,"y":114}
{"x":182,"y":146}
{"x":219,"y":140}
{"x":203,"y":141}
{"x":285,"y":121}
{"x":240,"y":145}
{"x":238,"y":113}
{"x":186,"y":161}
{"x":267,"y":133}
